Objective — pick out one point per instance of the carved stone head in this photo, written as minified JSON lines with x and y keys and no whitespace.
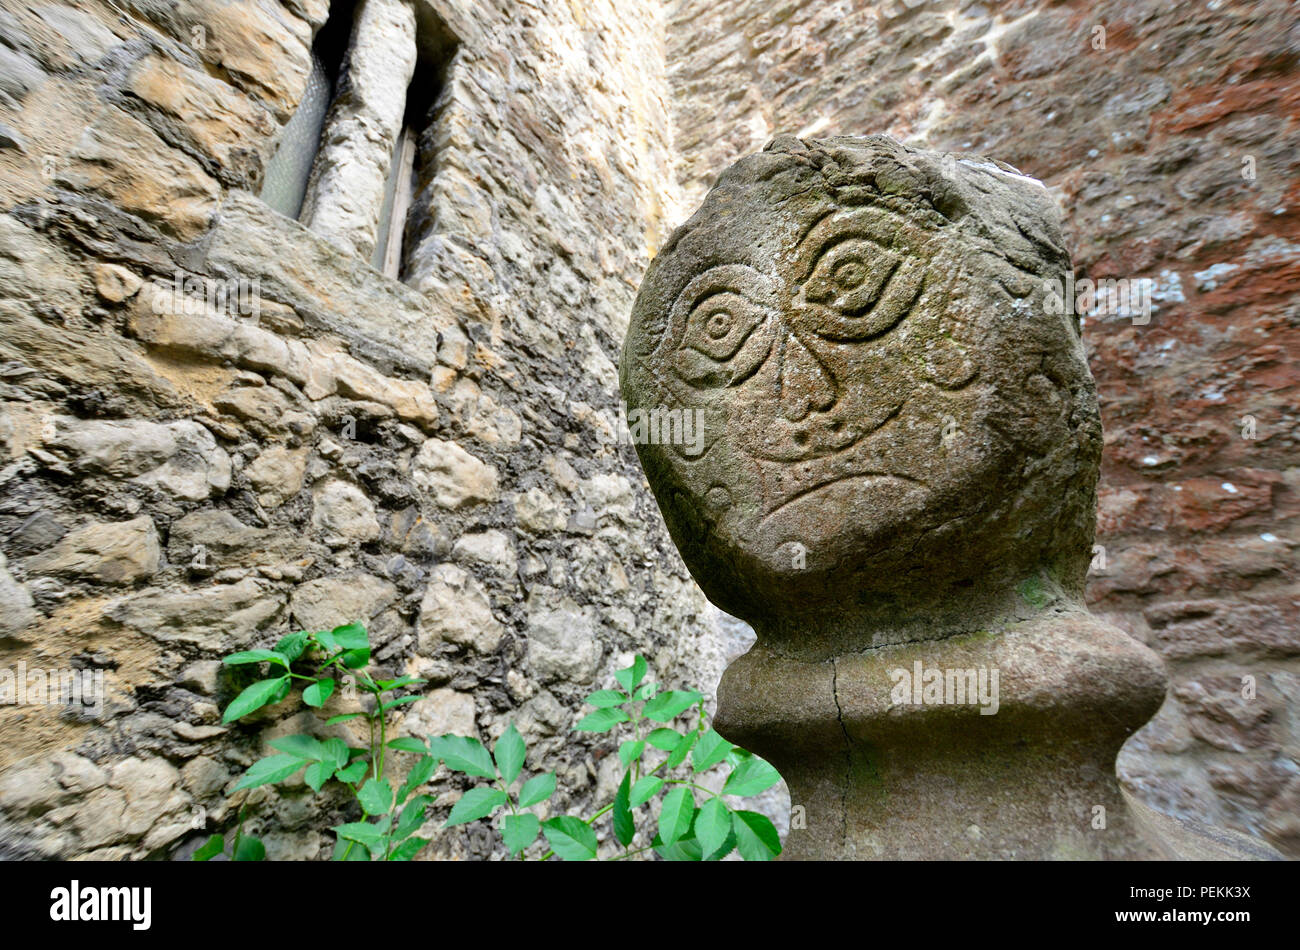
{"x":893,"y":407}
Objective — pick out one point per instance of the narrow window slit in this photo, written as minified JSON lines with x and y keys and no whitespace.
{"x":284,"y":184}
{"x":412,"y":162}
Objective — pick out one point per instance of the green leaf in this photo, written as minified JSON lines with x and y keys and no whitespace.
{"x":408,"y":849}
{"x":282,"y":692}
{"x":727,"y":846}
{"x":667,"y":706}
{"x":519,"y":831}
{"x":645,"y":789}
{"x":631,"y":750}
{"x":372,"y":835}
{"x":347,"y":850}
{"x":463,"y":754}
{"x":257,"y":656}
{"x":675,"y":818}
{"x":756,"y":838}
{"x":304,"y":747}
{"x":400,"y":702}
{"x":624,"y":826}
{"x":631,"y":677}
{"x":388,"y":685}
{"x":274,"y":768}
{"x":604,"y":698}
{"x":712,"y":825}
{"x":351,"y":636}
{"x":254,"y":698}
{"x":317,"y":774}
{"x":336,"y":751}
{"x":210,"y":849}
{"x":293,"y":645}
{"x":678,"y":755}
{"x":376,"y":796}
{"x":709,"y":751}
{"x":352,"y":774}
{"x":510,"y":752}
{"x":412,"y":817}
{"x":418,"y":775}
{"x":409,"y":744}
{"x":602,"y":720}
{"x":319,"y":691}
{"x":735,"y":757}
{"x":537,"y":789}
{"x":333,"y":720}
{"x":751,"y":776}
{"x":646,"y":692}
{"x":665,"y":739}
{"x":250,"y":849}
{"x":475,"y":804}
{"x":570,"y":838}
{"x":355,"y":659}
{"x":688,"y":849}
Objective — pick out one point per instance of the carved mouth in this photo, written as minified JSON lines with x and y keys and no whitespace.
{"x":776,"y":441}
{"x":866,"y":478}
{"x":784,"y":483}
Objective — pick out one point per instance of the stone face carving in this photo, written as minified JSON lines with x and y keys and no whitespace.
{"x":887,"y":415}
{"x":896,"y":488}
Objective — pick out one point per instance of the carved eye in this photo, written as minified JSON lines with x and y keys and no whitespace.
{"x":858,"y":287}
{"x":720,"y":323}
{"x":722,"y":315}
{"x":850,"y":274}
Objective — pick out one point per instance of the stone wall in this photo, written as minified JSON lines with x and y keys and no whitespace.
{"x":1168,"y":131}
{"x":294,"y":440}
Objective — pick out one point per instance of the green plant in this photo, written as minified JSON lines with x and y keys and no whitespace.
{"x":334,"y":654}
{"x":686,"y":830}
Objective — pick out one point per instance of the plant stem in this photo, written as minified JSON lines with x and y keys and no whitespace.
{"x":682,"y":781}
{"x":628,"y":854}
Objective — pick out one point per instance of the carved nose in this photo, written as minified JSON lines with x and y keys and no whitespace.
{"x":805,"y":383}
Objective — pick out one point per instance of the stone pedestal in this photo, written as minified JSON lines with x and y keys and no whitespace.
{"x":1032,"y":776}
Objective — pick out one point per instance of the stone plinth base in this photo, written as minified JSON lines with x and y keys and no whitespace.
{"x":882,"y":770}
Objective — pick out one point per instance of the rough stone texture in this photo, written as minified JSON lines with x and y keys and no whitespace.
{"x":1143,"y":143}
{"x":562,"y":642}
{"x":16,"y":613}
{"x":344,"y":513}
{"x":456,"y":609}
{"x":453,"y":477}
{"x":324,"y":603}
{"x":350,"y":446}
{"x":120,"y":553}
{"x":441,"y":712}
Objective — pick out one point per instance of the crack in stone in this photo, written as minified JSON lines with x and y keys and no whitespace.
{"x":848,"y":758}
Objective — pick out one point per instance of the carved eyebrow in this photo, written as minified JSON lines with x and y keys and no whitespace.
{"x":799,"y":244}
{"x":742,"y":279}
